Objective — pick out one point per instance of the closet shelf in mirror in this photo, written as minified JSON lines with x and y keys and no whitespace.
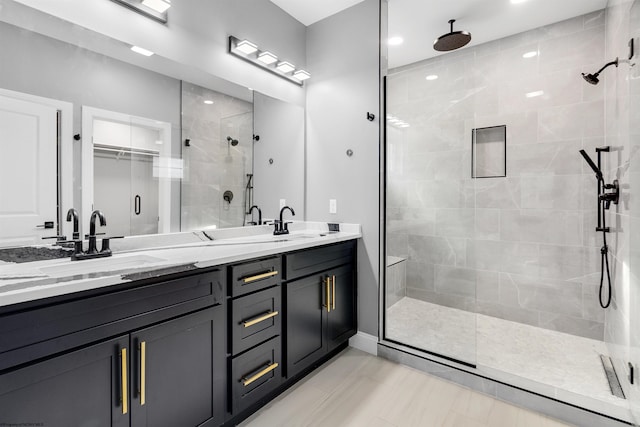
{"x":125,"y":150}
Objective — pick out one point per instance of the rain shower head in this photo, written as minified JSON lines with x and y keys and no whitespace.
{"x":452,"y":40}
{"x":232,"y":141}
{"x":593,"y":166}
{"x":593,"y":78}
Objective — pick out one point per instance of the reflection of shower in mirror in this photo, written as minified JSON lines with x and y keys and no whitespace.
{"x":232,"y":142}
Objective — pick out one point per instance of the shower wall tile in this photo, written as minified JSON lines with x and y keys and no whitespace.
{"x":541,"y":294}
{"x":398,"y":245}
{"x":525,"y":243}
{"x":456,"y":281}
{"x":542,"y":226}
{"x":420,"y":275}
{"x":455,"y":222}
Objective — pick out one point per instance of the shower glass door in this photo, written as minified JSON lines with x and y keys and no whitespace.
{"x":431,"y":280}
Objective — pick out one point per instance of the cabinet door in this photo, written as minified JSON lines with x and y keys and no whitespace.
{"x":341,"y":320}
{"x":306,"y":320}
{"x":82,"y":388}
{"x":179,"y":371}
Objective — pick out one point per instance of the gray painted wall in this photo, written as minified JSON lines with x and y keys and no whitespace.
{"x":343,"y":54}
{"x":280,"y":126}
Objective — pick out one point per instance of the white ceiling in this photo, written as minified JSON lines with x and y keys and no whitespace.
{"x":420,"y":22}
{"x":311,"y":11}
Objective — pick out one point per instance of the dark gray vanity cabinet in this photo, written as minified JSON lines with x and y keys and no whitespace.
{"x":144,"y":354}
{"x":178,"y":371}
{"x":321,"y":306}
{"x":81,"y":388}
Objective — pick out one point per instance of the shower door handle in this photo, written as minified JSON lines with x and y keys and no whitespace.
{"x":137,"y":203}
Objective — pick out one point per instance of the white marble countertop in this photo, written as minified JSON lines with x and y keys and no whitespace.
{"x":154,"y":256}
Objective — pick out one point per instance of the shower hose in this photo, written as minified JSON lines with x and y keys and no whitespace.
{"x":604,"y":264}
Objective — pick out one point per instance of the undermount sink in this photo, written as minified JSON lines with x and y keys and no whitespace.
{"x":100,"y":265}
{"x":269,"y":238}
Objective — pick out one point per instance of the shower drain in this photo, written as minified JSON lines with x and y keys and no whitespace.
{"x":612,"y":377}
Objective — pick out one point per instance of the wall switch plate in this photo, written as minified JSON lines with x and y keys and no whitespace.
{"x":283,"y":203}
{"x":333,"y":206}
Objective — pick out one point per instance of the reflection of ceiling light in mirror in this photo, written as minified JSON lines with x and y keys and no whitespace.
{"x":395,"y":41}
{"x":517,"y":1}
{"x":285,"y":67}
{"x":301,"y":75}
{"x":159,"y":142}
{"x":404,"y":125}
{"x":246,"y":47}
{"x":535,"y":94}
{"x":208,"y":102}
{"x":159,"y":6}
{"x":141,"y":51}
{"x":431,"y":77}
{"x":531,"y":54}
{"x":267,"y":58}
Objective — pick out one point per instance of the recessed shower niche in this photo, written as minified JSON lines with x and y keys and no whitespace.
{"x":489,"y":152}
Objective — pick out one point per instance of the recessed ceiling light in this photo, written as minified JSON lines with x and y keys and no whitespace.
{"x":246,"y":47}
{"x":301,"y":75}
{"x":431,"y":77}
{"x":534,"y":94}
{"x":141,"y":51}
{"x":285,"y":67}
{"x":159,"y":6}
{"x":208,"y":102}
{"x":531,"y":54}
{"x":395,"y":41}
{"x":267,"y":58}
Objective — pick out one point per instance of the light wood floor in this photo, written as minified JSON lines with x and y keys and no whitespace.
{"x":357,"y":389}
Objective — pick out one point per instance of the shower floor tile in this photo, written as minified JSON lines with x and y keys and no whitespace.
{"x":565,"y":366}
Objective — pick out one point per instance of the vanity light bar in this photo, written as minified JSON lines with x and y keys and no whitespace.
{"x":159,"y":6}
{"x":154,"y":9}
{"x":266,"y":60}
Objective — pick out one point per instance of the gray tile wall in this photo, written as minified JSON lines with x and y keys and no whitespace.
{"x":212,"y":166}
{"x":523,"y":247}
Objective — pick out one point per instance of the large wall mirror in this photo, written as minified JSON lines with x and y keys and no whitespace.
{"x":155,"y":153}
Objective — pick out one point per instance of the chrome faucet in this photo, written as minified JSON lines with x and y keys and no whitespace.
{"x":259,"y":214}
{"x":280,"y":225}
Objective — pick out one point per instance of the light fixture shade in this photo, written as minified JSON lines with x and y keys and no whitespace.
{"x":301,"y":75}
{"x":285,"y":67}
{"x":159,"y":6}
{"x":267,"y":58}
{"x":246,"y":47}
{"x":141,"y":51}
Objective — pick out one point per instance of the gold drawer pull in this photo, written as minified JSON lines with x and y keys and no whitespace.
{"x":123,"y":380}
{"x":262,"y":318}
{"x":143,"y":373}
{"x":328,"y":289}
{"x":265,"y":371}
{"x":259,"y":276}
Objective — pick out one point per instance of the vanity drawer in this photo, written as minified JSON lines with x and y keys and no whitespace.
{"x":255,"y":374}
{"x":42,"y":331}
{"x":255,"y":275}
{"x":255,"y":318}
{"x":310,"y":261}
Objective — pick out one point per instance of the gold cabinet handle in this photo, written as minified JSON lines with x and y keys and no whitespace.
{"x":265,"y":371}
{"x":262,"y":318}
{"x":328,"y":289}
{"x":260,"y":276}
{"x":143,"y":373}
{"x":333,"y":293}
{"x":123,"y":380}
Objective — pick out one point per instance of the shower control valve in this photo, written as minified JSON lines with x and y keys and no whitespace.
{"x":612,"y":196}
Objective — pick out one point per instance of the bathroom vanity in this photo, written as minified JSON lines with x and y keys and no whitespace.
{"x":199,"y":334}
